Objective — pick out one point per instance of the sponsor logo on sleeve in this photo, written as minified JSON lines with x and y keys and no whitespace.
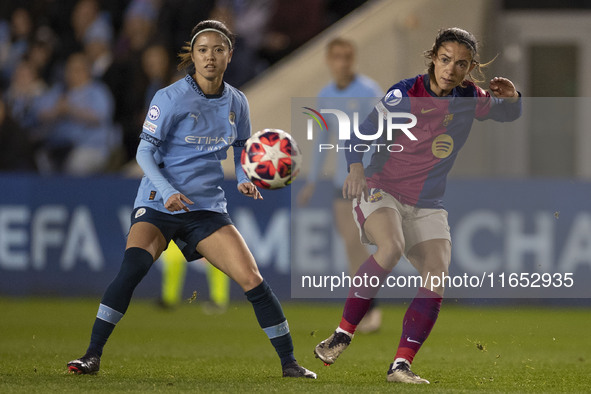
{"x":149,"y":126}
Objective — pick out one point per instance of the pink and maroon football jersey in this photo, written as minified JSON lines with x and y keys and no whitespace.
{"x":416,"y":174}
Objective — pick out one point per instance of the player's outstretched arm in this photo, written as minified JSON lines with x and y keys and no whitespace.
{"x":503,"y":88}
{"x":250,"y":190}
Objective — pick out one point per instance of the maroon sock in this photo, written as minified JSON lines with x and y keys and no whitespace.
{"x":419,"y":319}
{"x":368,"y":278}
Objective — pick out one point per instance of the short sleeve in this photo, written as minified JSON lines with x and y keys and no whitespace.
{"x":159,"y":119}
{"x":243,"y":128}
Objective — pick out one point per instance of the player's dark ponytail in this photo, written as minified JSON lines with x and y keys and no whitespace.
{"x":185,"y":54}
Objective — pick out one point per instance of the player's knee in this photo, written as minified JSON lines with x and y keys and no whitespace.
{"x":250,"y":281}
{"x":436,"y":267}
{"x":136,"y":264}
{"x":390,"y":252}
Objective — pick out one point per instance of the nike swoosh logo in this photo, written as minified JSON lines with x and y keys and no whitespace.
{"x":413,"y":341}
{"x":362,"y":297}
{"x":426,"y":111}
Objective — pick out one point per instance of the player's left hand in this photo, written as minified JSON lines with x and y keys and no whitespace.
{"x":250,"y":190}
{"x":503,"y":88}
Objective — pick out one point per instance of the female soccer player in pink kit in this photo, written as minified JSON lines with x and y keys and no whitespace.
{"x":397,"y":199}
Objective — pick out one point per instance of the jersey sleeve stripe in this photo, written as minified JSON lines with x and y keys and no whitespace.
{"x":151,"y":139}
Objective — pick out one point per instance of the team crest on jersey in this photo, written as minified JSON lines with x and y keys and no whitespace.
{"x":140,"y":212}
{"x":232,"y":117}
{"x":442,"y":146}
{"x":154,"y":112}
{"x":447,"y":119}
{"x":393,"y":97}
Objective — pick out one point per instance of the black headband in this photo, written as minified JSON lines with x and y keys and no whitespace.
{"x":451,"y":35}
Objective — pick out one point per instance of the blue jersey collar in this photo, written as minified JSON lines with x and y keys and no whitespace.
{"x":197,"y":88}
{"x":427,"y":84}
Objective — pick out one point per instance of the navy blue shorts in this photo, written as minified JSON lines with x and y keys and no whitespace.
{"x":185,"y":229}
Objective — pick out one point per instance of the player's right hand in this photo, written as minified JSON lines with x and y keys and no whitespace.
{"x":355,"y":185}
{"x":249,"y":189}
{"x":176,"y":202}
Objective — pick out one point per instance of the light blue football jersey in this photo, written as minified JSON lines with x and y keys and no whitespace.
{"x":192,"y":134}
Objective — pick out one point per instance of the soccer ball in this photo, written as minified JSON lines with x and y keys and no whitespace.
{"x":271,"y":159}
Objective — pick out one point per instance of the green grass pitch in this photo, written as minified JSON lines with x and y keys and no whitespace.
{"x":471,"y":349}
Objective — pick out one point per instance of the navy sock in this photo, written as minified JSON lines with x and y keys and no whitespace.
{"x":136,"y":264}
{"x":272,"y":320}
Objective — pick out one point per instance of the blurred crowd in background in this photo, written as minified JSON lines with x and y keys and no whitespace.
{"x":77,"y":76}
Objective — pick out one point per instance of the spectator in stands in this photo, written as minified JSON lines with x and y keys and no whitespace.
{"x":176,"y":19}
{"x":138,"y":32}
{"x":78,"y":121}
{"x":15,"y":37}
{"x":114,"y":74}
{"x":86,"y":20}
{"x":291,"y":25}
{"x":249,"y":19}
{"x":97,"y":47}
{"x":16,"y":152}
{"x":157,"y":73}
{"x":26,"y":86}
{"x":42,"y":54}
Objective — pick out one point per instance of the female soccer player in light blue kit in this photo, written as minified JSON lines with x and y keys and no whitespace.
{"x":188,"y":129}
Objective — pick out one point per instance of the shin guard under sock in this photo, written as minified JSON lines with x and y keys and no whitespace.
{"x":136,"y":264}
{"x":272,"y":320}
{"x":360,"y":298}
{"x":419,"y":319}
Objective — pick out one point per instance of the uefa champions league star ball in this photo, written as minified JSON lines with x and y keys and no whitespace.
{"x":271,"y":159}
